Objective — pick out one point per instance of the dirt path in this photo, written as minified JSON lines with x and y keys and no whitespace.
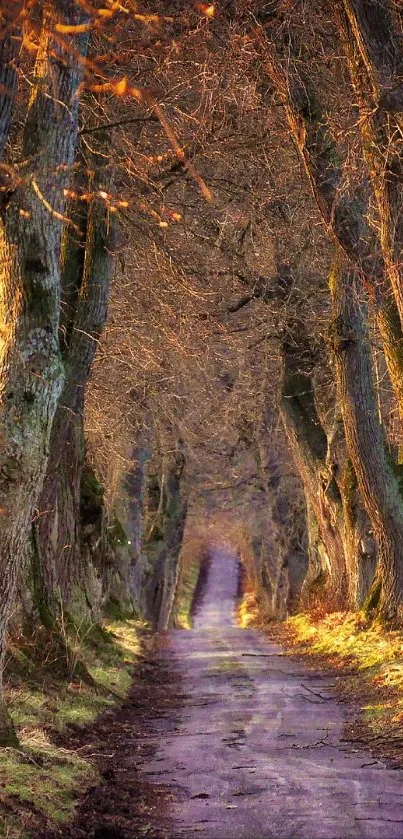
{"x":256,"y":751}
{"x":225,"y":737}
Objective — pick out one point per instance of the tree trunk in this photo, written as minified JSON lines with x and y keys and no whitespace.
{"x":360,"y":547}
{"x":10,"y":46}
{"x":10,"y":43}
{"x":279,"y":555}
{"x":168,"y":529}
{"x":375,"y":59}
{"x":365,"y":439}
{"x":87,"y":277}
{"x":344,"y":214}
{"x":136,"y":486}
{"x":309,"y":447}
{"x":31,"y":372}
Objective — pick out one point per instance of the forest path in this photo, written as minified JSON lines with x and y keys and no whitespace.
{"x":255,"y":749}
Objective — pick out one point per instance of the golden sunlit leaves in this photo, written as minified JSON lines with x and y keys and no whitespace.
{"x":172,"y":214}
{"x":114,"y":203}
{"x":121,"y":87}
{"x":67,"y":29}
{"x":207,"y":9}
{"x":106,"y":13}
{"x":149,"y":18}
{"x":99,"y":16}
{"x":30,"y":41}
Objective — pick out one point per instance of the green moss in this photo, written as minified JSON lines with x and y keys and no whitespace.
{"x":117,"y":534}
{"x":116,"y":611}
{"x":373,"y":599}
{"x":44,"y":776}
{"x":42,"y":704}
{"x":373,"y":650}
{"x":172,"y":506}
{"x":38,"y":586}
{"x":350,"y":493}
{"x":397,"y":469}
{"x":185,"y":596}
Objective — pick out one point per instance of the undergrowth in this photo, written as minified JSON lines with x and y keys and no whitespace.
{"x":248,"y":613}
{"x":372,"y":653}
{"x":186,"y":592}
{"x":194,"y":553}
{"x":40,"y":779}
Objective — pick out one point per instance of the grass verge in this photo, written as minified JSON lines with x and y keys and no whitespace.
{"x":185,"y":596}
{"x":369,"y":659}
{"x":39,"y":781}
{"x":191,"y":582}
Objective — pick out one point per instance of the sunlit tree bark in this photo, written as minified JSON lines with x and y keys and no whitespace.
{"x":343,"y":212}
{"x":365,"y":436}
{"x":308,"y":443}
{"x":374,"y":54}
{"x":87,"y":275}
{"x":10,"y":47}
{"x":31,"y":370}
{"x":342,"y":553}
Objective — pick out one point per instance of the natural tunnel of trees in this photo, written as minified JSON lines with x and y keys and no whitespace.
{"x":201,"y":303}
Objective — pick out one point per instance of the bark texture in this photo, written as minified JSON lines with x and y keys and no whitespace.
{"x":136,"y":487}
{"x":308,"y":444}
{"x":375,"y":59}
{"x":62,"y":529}
{"x":342,"y":553}
{"x":31,"y":370}
{"x":10,"y":46}
{"x":343,"y":211}
{"x":164,"y":541}
{"x":365,"y":438}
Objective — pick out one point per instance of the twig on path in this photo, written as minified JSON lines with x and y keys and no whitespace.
{"x":322,"y":742}
{"x":264,"y":655}
{"x":320,"y":695}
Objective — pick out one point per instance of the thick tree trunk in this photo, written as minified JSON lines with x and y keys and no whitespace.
{"x":345,"y":214}
{"x":309,"y":447}
{"x":342,"y":553}
{"x":375,"y":58}
{"x":136,"y":486}
{"x":359,"y":545}
{"x":31,"y":371}
{"x":87,"y":274}
{"x":10,"y":46}
{"x":165,"y":540}
{"x":279,"y":548}
{"x":365,"y":439}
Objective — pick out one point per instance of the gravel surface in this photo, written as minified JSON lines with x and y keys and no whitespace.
{"x":255,"y":750}
{"x":225,"y":736}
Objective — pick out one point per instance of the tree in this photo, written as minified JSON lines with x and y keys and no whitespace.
{"x":31,"y":370}
{"x":365,"y":437}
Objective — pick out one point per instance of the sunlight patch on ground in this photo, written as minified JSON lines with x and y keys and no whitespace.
{"x":375,"y":652}
{"x":248,"y":611}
